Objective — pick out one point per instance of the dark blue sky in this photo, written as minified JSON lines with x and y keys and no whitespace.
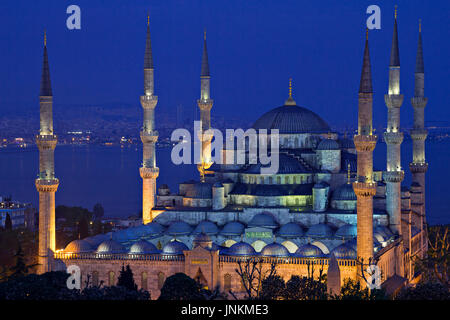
{"x":254,"y":47}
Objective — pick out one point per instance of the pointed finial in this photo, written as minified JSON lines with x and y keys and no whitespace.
{"x":204,"y":34}
{"x":420,"y":25}
{"x":290,"y":87}
{"x":348,"y":173}
{"x":148,"y":18}
{"x":45,"y":38}
{"x":395,"y":12}
{"x":367,"y":33}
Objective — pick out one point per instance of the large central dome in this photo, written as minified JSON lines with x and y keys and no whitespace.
{"x":292,"y":119}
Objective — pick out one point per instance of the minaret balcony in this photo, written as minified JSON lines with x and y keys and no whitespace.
{"x":149,"y":136}
{"x":393,"y":137}
{"x":205,"y":105}
{"x":419,"y":102}
{"x":418,"y":167}
{"x":365,"y":189}
{"x":149,"y":173}
{"x":149,"y":102}
{"x":418,"y":134}
{"x":365,"y":143}
{"x":393,"y":176}
{"x":393,"y":100}
{"x":47,"y":185}
{"x":47,"y":141}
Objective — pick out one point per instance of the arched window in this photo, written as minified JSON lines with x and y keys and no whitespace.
{"x":278,"y":180}
{"x":161,"y":279}
{"x":295,"y":179}
{"x":258,"y":245}
{"x":270,"y":180}
{"x":288,"y":180}
{"x":111,"y":278}
{"x":95,"y":278}
{"x":227,"y":282}
{"x":144,"y":280}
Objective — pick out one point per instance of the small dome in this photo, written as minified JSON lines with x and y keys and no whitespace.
{"x":218,"y":185}
{"x":96,"y":240}
{"x":275,"y":250}
{"x":309,"y":251}
{"x":207,"y":227}
{"x":153,"y":228}
{"x":110,"y":247}
{"x":328,"y":144}
{"x":346,"y":231}
{"x":263,"y":220}
{"x":164,"y":186}
{"x":344,"y":192}
{"x":344,"y":251}
{"x":174,"y":248}
{"x":321,"y":185}
{"x":200,"y":190}
{"x":202,"y":237}
{"x":286,"y":165}
{"x":241,"y":249}
{"x":78,"y":246}
{"x":320,"y":230}
{"x":233,"y":228}
{"x":384,"y":231}
{"x":291,"y":230}
{"x":143,"y":247}
{"x":179,"y":228}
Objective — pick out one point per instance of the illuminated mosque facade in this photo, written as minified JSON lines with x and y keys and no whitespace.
{"x":326,"y":206}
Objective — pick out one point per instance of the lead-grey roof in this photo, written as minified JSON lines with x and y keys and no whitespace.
{"x":365,"y":84}
{"x":273,"y":190}
{"x":46,"y":87}
{"x":395,"y":57}
{"x":275,"y":250}
{"x":286,"y":165}
{"x":148,"y":58}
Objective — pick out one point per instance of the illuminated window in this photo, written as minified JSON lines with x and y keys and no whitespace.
{"x":95,"y":278}
{"x":111,"y":278}
{"x":227,"y":282}
{"x":161,"y":279}
{"x":144,"y":281}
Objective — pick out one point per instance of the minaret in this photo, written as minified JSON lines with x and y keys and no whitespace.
{"x":46,"y":183}
{"x":365,"y":142}
{"x":149,"y":171}
{"x":393,"y":176}
{"x":205,"y":104}
{"x":418,"y":133}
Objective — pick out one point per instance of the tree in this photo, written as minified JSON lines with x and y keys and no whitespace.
{"x":20,"y":268}
{"x":98,"y":211}
{"x":126,"y":279}
{"x":352,"y":290}
{"x":307,"y":288}
{"x":83,"y":228}
{"x":425,"y":291}
{"x":272,"y":288}
{"x":8,"y":222}
{"x":435,"y":265}
{"x":181,"y":287}
{"x":252,"y":274}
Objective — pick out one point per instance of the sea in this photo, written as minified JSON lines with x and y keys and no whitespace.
{"x":109,"y":175}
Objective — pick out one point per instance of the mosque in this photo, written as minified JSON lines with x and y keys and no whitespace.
{"x":326,"y":206}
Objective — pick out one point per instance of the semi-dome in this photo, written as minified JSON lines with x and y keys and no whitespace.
{"x":207,"y":227}
{"x":241,"y":249}
{"x":344,"y":192}
{"x":292,"y":119}
{"x":78,"y":246}
{"x":110,"y":247}
{"x":275,"y":250}
{"x":328,"y":144}
{"x":321,"y":185}
{"x":232,"y":228}
{"x":143,"y":247}
{"x":291,"y":230}
{"x":179,"y":228}
{"x":346,"y":231}
{"x":286,"y":165}
{"x":174,"y":248}
{"x":200,"y":190}
{"x":309,"y":251}
{"x":263,"y":220}
{"x":344,"y":251}
{"x":94,"y":241}
{"x":153,"y":228}
{"x":320,"y":230}
{"x":384,"y":231}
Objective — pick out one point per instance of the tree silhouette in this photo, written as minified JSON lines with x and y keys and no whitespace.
{"x":126,"y":279}
{"x":98,"y":211}
{"x":181,"y":287}
{"x":8,"y":222}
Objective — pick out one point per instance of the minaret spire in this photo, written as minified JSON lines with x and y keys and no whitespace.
{"x":364,"y":186}
{"x":149,"y":136}
{"x":205,"y":104}
{"x":393,"y":176}
{"x":419,"y":133}
{"x":46,"y":183}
